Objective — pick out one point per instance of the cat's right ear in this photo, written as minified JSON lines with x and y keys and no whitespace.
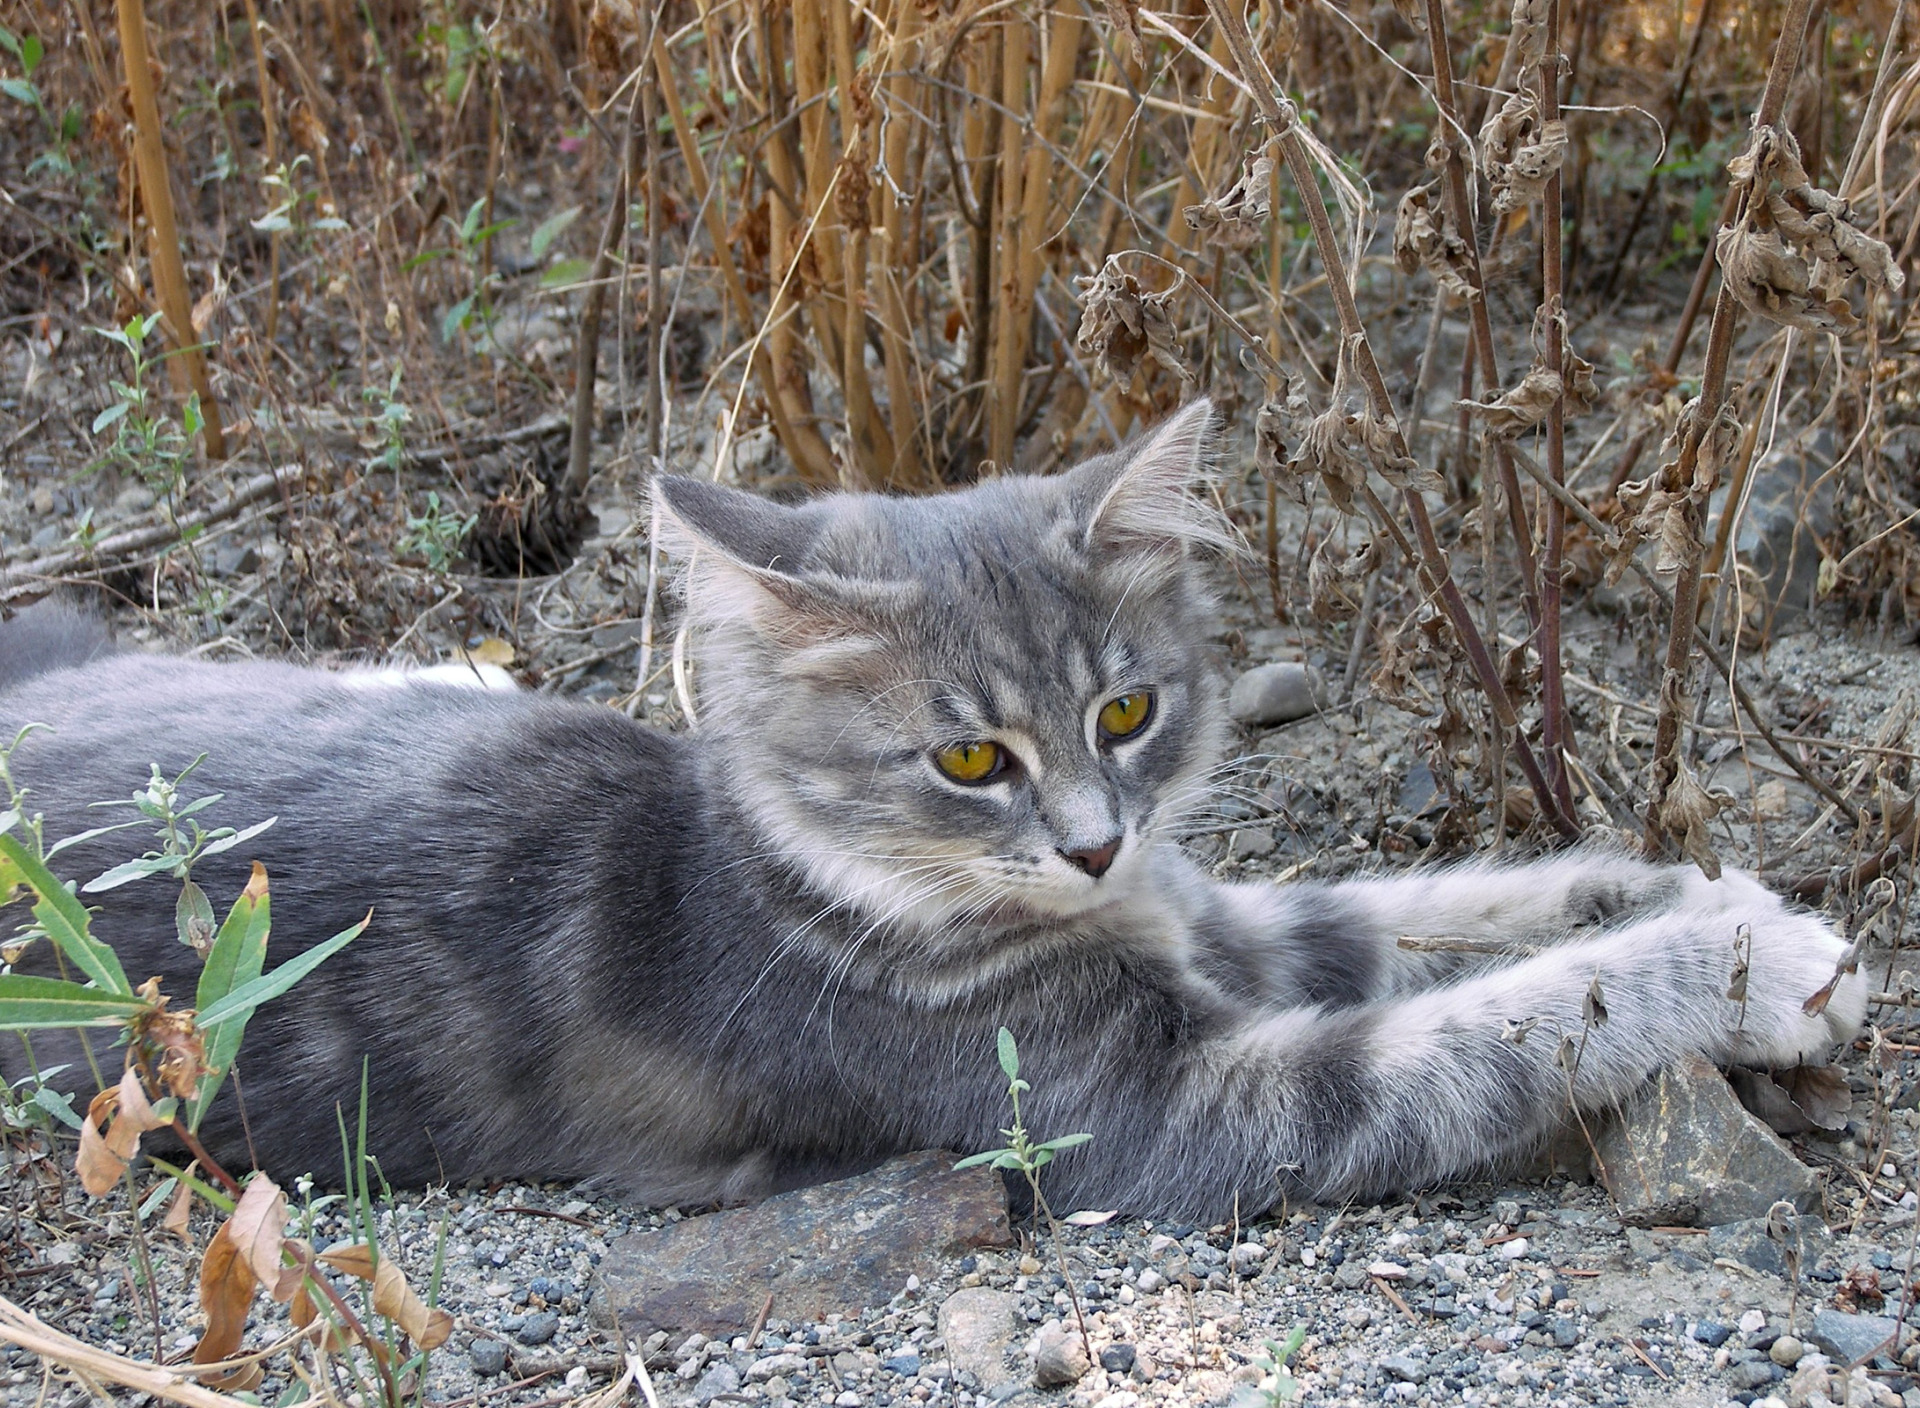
{"x":746,"y":560}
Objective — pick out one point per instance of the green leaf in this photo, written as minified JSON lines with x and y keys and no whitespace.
{"x":245,"y":833}
{"x":66,"y":841}
{"x":1009,"y":1055}
{"x":30,"y":53}
{"x":20,"y":91}
{"x":8,"y":42}
{"x":975,"y":1160}
{"x":193,"y":910}
{"x":238,"y":954}
{"x":110,"y":415}
{"x":472,"y":223}
{"x":549,"y":229}
{"x":128,"y":871}
{"x":57,"y":1105}
{"x":565,"y":272}
{"x":29,"y":1003}
{"x":1065,"y":1141}
{"x":65,"y":920}
{"x":250,"y":995}
{"x":455,"y":318}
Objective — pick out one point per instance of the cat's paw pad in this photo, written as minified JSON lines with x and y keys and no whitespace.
{"x":1778,"y":962}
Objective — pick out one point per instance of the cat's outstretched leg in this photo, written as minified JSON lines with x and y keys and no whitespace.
{"x":1340,"y":943}
{"x":1362,"y":1100}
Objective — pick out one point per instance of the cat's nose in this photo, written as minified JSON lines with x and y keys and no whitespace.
{"x":1095,"y":860}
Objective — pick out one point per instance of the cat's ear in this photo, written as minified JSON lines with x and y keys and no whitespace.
{"x":747,"y":563}
{"x":1150,"y":496}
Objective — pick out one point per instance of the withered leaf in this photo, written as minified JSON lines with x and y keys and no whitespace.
{"x":127,"y":1115}
{"x":1508,"y":127}
{"x":1686,"y":811}
{"x":179,"y":1207}
{"x":392,"y":1296}
{"x":1529,"y":35}
{"x":1120,"y":326}
{"x":1772,"y":281}
{"x":1795,"y":1101}
{"x":1424,"y":238}
{"x":1520,"y":407}
{"x":1523,"y":180}
{"x":1237,"y":218}
{"x":1593,"y":1008}
{"x":1124,"y":16}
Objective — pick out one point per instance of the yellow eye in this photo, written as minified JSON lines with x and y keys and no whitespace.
{"x":970,"y":762}
{"x":1125,"y":715}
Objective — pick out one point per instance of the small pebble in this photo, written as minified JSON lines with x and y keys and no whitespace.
{"x":1786,"y":1351}
{"x":539,"y":1328}
{"x":488,"y":1357}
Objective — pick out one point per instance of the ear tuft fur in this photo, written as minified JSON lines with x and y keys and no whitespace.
{"x":1144,"y":496}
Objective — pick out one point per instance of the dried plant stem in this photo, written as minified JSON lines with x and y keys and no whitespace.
{"x":1555,"y":738}
{"x":156,"y":199}
{"x":587,"y":355}
{"x":1713,"y":394}
{"x":799,"y":439}
{"x":1432,"y":557}
{"x":899,"y":244}
{"x":1485,"y":357}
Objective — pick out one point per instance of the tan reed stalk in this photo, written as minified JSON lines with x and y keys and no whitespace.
{"x":900,"y":250}
{"x":163,"y":233}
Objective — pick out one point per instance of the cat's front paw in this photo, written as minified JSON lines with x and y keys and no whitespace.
{"x":1778,"y":962}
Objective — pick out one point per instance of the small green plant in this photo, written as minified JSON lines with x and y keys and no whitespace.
{"x":146,"y":440}
{"x":1278,"y":1385}
{"x":388,"y":422}
{"x":470,"y":237}
{"x":436,"y":535}
{"x":1026,"y":1156}
{"x":287,"y":201}
{"x":62,"y":131}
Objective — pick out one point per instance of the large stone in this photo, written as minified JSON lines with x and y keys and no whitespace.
{"x":1277,"y":694}
{"x":1059,"y":1356}
{"x":978,"y":1325}
{"x":1851,"y":1338}
{"x":837,"y":1247}
{"x":1685,"y":1152}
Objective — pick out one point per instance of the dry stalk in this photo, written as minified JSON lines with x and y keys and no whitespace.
{"x":1667,"y":768}
{"x":163,"y":242}
{"x":1436,"y":569}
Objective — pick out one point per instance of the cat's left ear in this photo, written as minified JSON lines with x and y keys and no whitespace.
{"x":1150,"y":496}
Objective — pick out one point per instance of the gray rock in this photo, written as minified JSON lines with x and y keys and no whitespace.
{"x":1118,"y":1358}
{"x":978,"y":1325}
{"x":1059,"y":1356}
{"x":1711,"y":1334}
{"x":1754,"y":1373}
{"x":1747,"y":1242}
{"x":1404,"y":1367}
{"x":1850,"y":1338}
{"x":1686,"y":1152}
{"x":839,"y":1247}
{"x":539,"y":1327}
{"x":721,"y":1378}
{"x":1786,"y":1351}
{"x":488,"y":1357}
{"x":1277,"y":694}
{"x":1789,"y":510}
{"x":1566,"y":1334}
{"x":1251,"y":842}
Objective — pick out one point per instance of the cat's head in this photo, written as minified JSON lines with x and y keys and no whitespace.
{"x":979,"y":706}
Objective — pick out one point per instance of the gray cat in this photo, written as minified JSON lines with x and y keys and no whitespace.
{"x":943,"y":749}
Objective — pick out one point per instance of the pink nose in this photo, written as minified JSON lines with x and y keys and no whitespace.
{"x":1095,"y":860}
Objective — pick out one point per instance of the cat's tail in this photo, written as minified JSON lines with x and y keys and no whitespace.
{"x":51,"y":635}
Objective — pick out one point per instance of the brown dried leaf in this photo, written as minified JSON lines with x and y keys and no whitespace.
{"x":1523,"y":180}
{"x":103,"y":1158}
{"x":1686,"y":811}
{"x":1795,"y":1101}
{"x":1237,"y":218}
{"x":1774,"y":282}
{"x":179,"y":1207}
{"x":1332,"y":575}
{"x":1520,"y":407}
{"x":1120,"y":326}
{"x":1508,"y":127}
{"x":392,"y":1296}
{"x":169,"y":1042}
{"x":1529,"y":36}
{"x":1124,"y":16}
{"x":226,"y":1294}
{"x":1817,"y":222}
{"x":1423,"y":238}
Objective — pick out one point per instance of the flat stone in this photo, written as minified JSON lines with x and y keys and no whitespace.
{"x":1850,"y":1338}
{"x":1685,"y":1152}
{"x":721,"y":1378}
{"x":1251,"y":843}
{"x":839,"y":1247}
{"x":1749,"y":1243}
{"x":539,"y":1327}
{"x":978,"y":1325}
{"x":1277,"y":694}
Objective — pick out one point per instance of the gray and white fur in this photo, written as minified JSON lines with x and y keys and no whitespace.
{"x":776,"y":950}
